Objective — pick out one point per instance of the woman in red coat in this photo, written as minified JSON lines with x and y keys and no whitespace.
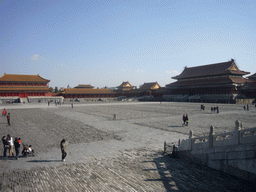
{"x":4,"y":113}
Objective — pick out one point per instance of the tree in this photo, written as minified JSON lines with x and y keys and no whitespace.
{"x":56,"y":90}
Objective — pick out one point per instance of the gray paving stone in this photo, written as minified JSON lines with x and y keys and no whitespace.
{"x":113,"y":155}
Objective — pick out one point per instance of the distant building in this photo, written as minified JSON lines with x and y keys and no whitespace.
{"x":152,"y":88}
{"x":249,"y":88}
{"x":218,"y":82}
{"x":124,"y":87}
{"x":87,"y":93}
{"x":84,"y":86}
{"x":12,"y":85}
{"x":125,"y":90}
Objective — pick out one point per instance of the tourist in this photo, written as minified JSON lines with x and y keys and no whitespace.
{"x":244,"y":107}
{"x":247,"y":107}
{"x":211,"y":109}
{"x":4,"y":113}
{"x":63,"y":144}
{"x":25,"y":151}
{"x":9,"y":119}
{"x":6,"y":145}
{"x":17,"y":147}
{"x":19,"y":140}
{"x":184,"y":119}
{"x":10,"y":141}
{"x":31,"y":150}
{"x":217,"y":108}
{"x":187,"y":120}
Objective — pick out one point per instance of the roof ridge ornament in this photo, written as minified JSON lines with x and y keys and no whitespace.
{"x":233,"y":66}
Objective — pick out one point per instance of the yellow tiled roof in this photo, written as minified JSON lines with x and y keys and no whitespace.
{"x":22,"y":78}
{"x":24,"y":89}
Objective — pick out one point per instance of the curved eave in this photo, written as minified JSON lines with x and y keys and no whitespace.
{"x":238,"y":73}
{"x":207,"y":82}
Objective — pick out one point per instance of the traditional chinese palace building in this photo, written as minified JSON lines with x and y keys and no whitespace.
{"x":84,"y":86}
{"x":220,"y":82}
{"x":125,"y":89}
{"x":86,"y":93}
{"x":23,"y":86}
{"x":149,"y":88}
{"x":249,"y":88}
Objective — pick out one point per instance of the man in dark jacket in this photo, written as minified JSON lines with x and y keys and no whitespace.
{"x":63,"y":147}
{"x":8,"y":119}
{"x":17,"y":147}
{"x":6,"y":145}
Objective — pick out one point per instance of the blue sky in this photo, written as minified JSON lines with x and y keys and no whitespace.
{"x":106,"y":42}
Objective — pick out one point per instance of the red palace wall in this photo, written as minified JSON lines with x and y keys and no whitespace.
{"x":24,"y":93}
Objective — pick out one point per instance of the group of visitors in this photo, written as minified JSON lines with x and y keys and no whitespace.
{"x":246,"y":107}
{"x":8,"y":116}
{"x":185,"y":120}
{"x":10,"y":144}
{"x":215,"y":109}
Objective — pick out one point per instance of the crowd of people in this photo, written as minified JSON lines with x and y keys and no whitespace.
{"x":246,"y":107}
{"x":215,"y":109}
{"x":10,"y":145}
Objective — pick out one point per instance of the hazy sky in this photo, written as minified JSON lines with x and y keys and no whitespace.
{"x":106,"y":42}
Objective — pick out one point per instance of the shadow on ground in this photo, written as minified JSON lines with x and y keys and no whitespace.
{"x":187,"y":176}
{"x":46,"y":161}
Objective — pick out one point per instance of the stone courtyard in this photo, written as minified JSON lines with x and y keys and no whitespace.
{"x":125,"y":154}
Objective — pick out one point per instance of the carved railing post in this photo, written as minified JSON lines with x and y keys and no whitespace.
{"x":190,"y":139}
{"x":211,"y":136}
{"x":238,"y":127}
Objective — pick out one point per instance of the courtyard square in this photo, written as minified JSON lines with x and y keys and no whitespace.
{"x":121,"y":154}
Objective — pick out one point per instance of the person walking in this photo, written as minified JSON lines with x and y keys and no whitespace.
{"x":9,"y":119}
{"x":6,"y":145}
{"x":184,"y":119}
{"x":187,"y":120}
{"x":17,"y":147}
{"x":63,"y":144}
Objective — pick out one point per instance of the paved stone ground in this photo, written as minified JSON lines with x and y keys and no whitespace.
{"x":114,"y":155}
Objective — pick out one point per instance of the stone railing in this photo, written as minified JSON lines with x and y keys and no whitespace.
{"x":237,"y":137}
